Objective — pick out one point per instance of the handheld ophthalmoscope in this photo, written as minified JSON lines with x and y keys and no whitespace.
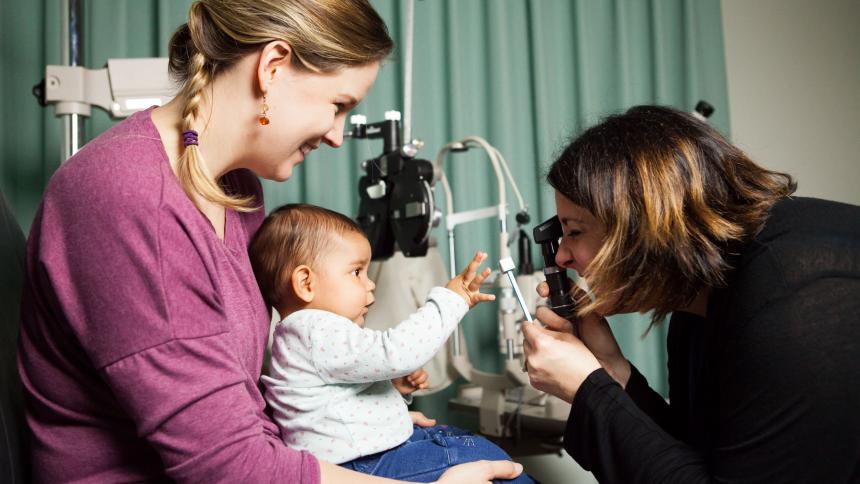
{"x":547,"y":235}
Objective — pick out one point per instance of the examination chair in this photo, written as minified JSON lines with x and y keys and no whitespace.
{"x":12,"y":463}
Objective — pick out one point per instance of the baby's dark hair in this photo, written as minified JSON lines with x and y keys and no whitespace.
{"x":293,"y":235}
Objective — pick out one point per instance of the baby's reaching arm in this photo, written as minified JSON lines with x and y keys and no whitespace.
{"x":346,"y":353}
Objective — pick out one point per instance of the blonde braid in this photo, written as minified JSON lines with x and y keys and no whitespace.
{"x":191,"y":170}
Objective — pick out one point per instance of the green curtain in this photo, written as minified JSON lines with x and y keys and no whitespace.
{"x":524,"y":74}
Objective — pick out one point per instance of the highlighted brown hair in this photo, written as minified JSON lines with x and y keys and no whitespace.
{"x":293,"y":235}
{"x":674,"y":196}
{"x":325,"y":35}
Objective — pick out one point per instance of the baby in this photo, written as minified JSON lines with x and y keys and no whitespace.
{"x":337,"y":389}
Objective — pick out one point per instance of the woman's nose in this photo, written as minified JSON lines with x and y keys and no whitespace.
{"x":334,"y":138}
{"x":564,"y":256}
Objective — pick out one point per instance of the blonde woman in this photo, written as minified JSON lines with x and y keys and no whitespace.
{"x":143,"y":328}
{"x":661,"y":213}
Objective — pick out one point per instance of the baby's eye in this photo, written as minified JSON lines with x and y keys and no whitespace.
{"x":341,"y":107}
{"x":357,"y":272}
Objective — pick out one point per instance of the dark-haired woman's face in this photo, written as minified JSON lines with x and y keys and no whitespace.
{"x":583,"y":235}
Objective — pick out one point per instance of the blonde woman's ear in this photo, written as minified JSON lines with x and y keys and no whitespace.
{"x":274,"y":56}
{"x":303,"y":281}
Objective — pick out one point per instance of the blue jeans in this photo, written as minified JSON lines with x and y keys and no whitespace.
{"x":430,"y":452}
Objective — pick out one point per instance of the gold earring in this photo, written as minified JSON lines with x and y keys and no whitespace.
{"x":264,"y":119}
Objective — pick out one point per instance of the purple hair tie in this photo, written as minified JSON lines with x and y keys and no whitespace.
{"x":189,"y":137}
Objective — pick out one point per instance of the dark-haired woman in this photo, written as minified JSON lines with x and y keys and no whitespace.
{"x":662,"y":214}
{"x":143,"y":329}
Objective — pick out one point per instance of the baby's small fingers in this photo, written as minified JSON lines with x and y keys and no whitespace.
{"x":477,"y":259}
{"x":470,"y":270}
{"x":483,"y":275}
{"x":479,"y":279}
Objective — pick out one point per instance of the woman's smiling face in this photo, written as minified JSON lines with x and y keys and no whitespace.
{"x":307,"y":109}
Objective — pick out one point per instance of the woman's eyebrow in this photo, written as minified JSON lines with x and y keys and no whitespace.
{"x":566,"y":220}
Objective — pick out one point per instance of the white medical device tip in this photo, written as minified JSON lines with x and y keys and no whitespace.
{"x":392,"y":115}
{"x":507,"y":266}
{"x":358,"y":119}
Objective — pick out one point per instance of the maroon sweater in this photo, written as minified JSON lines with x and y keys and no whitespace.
{"x":143,"y":334}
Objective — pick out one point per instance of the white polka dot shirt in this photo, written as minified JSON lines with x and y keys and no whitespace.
{"x":329,"y":379}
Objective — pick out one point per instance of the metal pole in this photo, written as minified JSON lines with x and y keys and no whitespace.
{"x":453,"y":269}
{"x":407,"y":72}
{"x":71,"y":50}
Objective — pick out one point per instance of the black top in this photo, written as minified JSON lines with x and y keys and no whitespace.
{"x":766,"y":388}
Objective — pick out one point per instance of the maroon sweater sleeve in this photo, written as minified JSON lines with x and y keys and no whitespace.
{"x":143,"y":337}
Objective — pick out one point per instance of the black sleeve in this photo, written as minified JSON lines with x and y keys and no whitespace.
{"x":648,"y":400}
{"x":608,"y":434}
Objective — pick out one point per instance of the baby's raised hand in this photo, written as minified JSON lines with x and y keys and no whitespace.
{"x":468,"y":282}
